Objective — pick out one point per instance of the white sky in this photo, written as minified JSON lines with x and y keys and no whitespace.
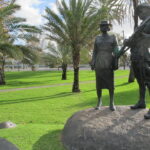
{"x":29,"y":11}
{"x":126,"y":27}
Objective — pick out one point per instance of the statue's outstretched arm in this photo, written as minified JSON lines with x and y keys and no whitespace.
{"x":145,"y":35}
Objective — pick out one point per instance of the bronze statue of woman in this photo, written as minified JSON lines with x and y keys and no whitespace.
{"x":105,"y":48}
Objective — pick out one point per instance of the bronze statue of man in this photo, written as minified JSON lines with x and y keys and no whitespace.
{"x":140,"y":55}
{"x":102,"y":61}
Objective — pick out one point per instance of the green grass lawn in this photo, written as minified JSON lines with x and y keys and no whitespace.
{"x":40,"y":114}
{"x":29,"y":78}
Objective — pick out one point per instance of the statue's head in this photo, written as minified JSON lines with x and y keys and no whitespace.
{"x":143,"y":11}
{"x":104,"y":26}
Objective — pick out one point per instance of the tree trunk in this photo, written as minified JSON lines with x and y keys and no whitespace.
{"x":33,"y":68}
{"x":18,"y":66}
{"x":2,"y":73}
{"x":64,"y":71}
{"x":23,"y":66}
{"x":2,"y":78}
{"x":124,"y":66}
{"x":135,"y":4}
{"x":76,"y":61}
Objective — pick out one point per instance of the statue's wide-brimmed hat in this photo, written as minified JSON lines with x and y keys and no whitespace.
{"x":102,"y":23}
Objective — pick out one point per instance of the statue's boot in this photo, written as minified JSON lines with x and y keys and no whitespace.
{"x":139,"y":105}
{"x":98,"y":107}
{"x":147,"y":116}
{"x":99,"y":94}
{"x":112,"y":108}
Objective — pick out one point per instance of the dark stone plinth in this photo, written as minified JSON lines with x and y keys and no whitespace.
{"x":7,"y":124}
{"x":123,"y":129}
{"x":5,"y":145}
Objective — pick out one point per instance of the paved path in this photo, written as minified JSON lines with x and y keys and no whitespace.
{"x":54,"y":85}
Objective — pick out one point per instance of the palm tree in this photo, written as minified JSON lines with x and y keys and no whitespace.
{"x":74,"y":26}
{"x":124,"y":60}
{"x":62,"y":55}
{"x":109,"y":10}
{"x":31,"y":56}
{"x":7,"y":50}
{"x":32,"y":51}
{"x":48,"y":60}
{"x":85,"y":56}
{"x":12,"y":29}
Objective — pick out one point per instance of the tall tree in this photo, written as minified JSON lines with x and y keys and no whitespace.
{"x":74,"y":25}
{"x":61,"y":54}
{"x":32,"y":51}
{"x":124,"y":60}
{"x":108,"y":10}
{"x":12,"y":28}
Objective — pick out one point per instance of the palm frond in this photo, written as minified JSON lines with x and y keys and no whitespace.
{"x":29,"y":54}
{"x":59,"y":52}
{"x":8,"y":10}
{"x":12,"y":51}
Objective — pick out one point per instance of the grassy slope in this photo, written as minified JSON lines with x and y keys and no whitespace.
{"x":41,"y":113}
{"x":29,"y":78}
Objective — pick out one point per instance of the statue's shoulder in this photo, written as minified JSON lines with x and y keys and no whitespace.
{"x":113,"y":37}
{"x":98,"y":37}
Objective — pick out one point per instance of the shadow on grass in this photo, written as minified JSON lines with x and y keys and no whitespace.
{"x":121,"y":98}
{"x":63,"y":94}
{"x":42,"y":98}
{"x":50,"y":141}
{"x":123,"y":84}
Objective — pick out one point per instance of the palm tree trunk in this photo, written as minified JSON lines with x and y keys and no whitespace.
{"x":33,"y":68}
{"x":76,"y":61}
{"x":124,"y":66}
{"x":135,"y":4}
{"x":18,"y":66}
{"x":23,"y":66}
{"x":2,"y":72}
{"x":64,"y":71}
